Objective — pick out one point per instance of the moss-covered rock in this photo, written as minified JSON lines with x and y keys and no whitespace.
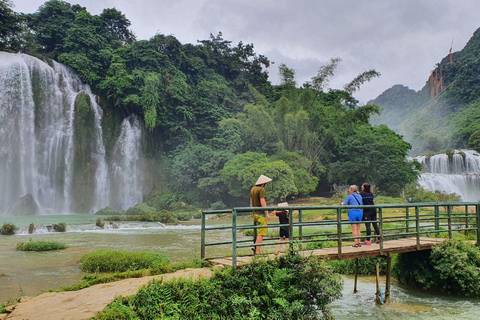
{"x":107,"y":211}
{"x":141,"y":209}
{"x":83,"y":163}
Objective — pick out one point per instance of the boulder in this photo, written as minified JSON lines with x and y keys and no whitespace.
{"x":24,"y":206}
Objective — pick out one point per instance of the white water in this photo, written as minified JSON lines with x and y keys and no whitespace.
{"x":459,"y":174}
{"x":37,"y":140}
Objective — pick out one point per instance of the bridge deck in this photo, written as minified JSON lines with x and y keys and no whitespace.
{"x":349,"y":252}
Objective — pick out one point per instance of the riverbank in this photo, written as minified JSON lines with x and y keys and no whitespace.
{"x":85,"y":303}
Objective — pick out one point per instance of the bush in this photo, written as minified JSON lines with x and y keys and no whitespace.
{"x":40,"y":246}
{"x":60,"y":227}
{"x":107,"y":211}
{"x":99,"y":223}
{"x":288,"y":287}
{"x":119,"y":261}
{"x":367,"y":266}
{"x":140,"y":209}
{"x":7,"y":229}
{"x":219,"y":205}
{"x":452,"y":267}
{"x":419,"y":194}
{"x":165,"y":217}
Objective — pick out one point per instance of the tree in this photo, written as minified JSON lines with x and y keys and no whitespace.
{"x":376,"y":155}
{"x":321,"y":80}
{"x":51,"y":24}
{"x":116,"y":26}
{"x":355,"y":84}
{"x":287,"y":76}
{"x":10,"y":27}
{"x":240,"y":174}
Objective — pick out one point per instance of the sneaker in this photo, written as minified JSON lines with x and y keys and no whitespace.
{"x":367,"y":243}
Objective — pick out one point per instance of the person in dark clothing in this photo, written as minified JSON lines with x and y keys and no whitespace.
{"x":284,"y":231}
{"x":369,"y":214}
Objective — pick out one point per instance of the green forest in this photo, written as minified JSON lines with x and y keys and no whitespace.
{"x":214,"y":122}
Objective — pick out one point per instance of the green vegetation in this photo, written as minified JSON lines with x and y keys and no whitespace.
{"x":367,"y":266}
{"x":161,"y":216}
{"x":119,"y":261}
{"x":40,"y":246}
{"x":7,"y":229}
{"x":285,"y":288}
{"x":419,"y":194}
{"x":107,"y":211}
{"x":163,"y":267}
{"x":452,"y":267}
{"x":59,"y":227}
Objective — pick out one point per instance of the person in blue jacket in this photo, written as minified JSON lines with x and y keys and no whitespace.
{"x":354,"y":215}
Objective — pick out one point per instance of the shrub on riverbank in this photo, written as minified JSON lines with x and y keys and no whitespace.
{"x":452,"y":267}
{"x":367,"y":266}
{"x":119,"y":261}
{"x":7,"y":229}
{"x":285,"y":288}
{"x":161,"y":216}
{"x":40,"y":246}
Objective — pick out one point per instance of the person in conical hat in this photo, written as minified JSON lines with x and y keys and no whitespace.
{"x":263,"y":180}
{"x":260,"y":217}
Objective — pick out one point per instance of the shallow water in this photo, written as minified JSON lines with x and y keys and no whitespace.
{"x":406,"y":303}
{"x":28,"y":273}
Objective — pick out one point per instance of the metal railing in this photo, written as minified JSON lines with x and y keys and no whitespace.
{"x":394,"y":221}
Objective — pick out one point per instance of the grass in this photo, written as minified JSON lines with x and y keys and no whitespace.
{"x":161,"y":268}
{"x":120,"y":261}
{"x":40,"y":246}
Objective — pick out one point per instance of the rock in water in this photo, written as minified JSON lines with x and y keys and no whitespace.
{"x":24,"y":206}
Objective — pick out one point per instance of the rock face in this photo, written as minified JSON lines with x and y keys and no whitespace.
{"x":24,"y":206}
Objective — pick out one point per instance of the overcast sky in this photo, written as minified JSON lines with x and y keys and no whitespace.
{"x":401,"y":39}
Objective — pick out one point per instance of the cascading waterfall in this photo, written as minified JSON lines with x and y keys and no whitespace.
{"x":127,"y":165}
{"x":40,"y":157}
{"x":457,"y":173}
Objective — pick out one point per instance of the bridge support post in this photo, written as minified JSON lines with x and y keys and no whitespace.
{"x":387,"y":282}
{"x":202,"y":248}
{"x":356,"y":276}
{"x":234,"y":238}
{"x":378,"y":294}
{"x":478,"y":223}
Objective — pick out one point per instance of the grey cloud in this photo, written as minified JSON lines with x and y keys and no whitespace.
{"x":400,"y":39}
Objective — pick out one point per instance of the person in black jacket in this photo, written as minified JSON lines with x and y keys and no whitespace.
{"x":369,"y":214}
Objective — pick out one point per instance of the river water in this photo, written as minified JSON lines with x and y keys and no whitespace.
{"x":28,"y":273}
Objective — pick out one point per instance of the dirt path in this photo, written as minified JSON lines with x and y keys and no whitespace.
{"x":85,"y":303}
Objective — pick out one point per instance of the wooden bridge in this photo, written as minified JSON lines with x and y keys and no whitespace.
{"x":348,"y":252}
{"x":403,"y":228}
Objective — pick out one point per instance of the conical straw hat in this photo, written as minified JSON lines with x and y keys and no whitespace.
{"x":263,"y":179}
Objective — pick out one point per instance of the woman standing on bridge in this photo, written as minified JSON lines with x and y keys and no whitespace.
{"x":354,"y":215}
{"x":369,"y":214}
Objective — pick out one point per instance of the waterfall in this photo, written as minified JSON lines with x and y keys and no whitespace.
{"x":127,"y":165}
{"x":41,"y":160}
{"x":457,"y":173}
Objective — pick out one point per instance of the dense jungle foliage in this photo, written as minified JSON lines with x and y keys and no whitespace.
{"x":214,"y":121}
{"x":451,"y":119}
{"x":452,"y":267}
